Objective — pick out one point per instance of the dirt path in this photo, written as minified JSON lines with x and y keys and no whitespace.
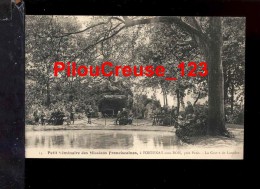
{"x":108,"y":124}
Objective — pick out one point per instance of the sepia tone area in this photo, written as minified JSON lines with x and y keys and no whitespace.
{"x":192,"y":115}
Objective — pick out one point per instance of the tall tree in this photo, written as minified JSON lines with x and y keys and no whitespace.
{"x":210,"y":41}
{"x":43,"y":48}
{"x":233,"y":61}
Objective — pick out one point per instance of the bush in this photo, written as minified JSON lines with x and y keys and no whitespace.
{"x":123,"y":121}
{"x":166,"y":121}
{"x":29,"y":121}
{"x":192,"y":124}
{"x":57,"y":117}
{"x":237,"y":117}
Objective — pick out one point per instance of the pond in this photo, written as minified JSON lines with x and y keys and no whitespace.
{"x":101,"y":139}
{"x":139,"y":144}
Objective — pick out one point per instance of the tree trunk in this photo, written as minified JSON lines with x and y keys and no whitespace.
{"x":232,"y":98}
{"x":182,"y":102}
{"x":198,"y":97}
{"x":166,"y":100}
{"x":226,"y":85}
{"x":216,"y":115}
{"x":178,"y":102}
{"x":48,"y":99}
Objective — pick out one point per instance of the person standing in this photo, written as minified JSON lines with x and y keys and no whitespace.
{"x":122,"y":115}
{"x":118,"y":116}
{"x":89,"y":113}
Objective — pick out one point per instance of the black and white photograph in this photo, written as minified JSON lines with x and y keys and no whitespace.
{"x":134,"y":87}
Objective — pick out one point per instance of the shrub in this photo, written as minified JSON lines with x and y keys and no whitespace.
{"x":29,"y":120}
{"x":166,"y":121}
{"x":57,"y":117}
{"x":237,"y":117}
{"x":192,"y":124}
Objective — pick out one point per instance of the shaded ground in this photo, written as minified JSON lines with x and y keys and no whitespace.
{"x":105,"y":124}
{"x":108,"y":124}
{"x":220,"y":141}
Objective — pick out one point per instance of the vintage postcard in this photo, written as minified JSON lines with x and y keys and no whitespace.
{"x":134,"y":87}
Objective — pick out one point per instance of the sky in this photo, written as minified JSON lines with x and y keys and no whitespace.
{"x":173,"y":100}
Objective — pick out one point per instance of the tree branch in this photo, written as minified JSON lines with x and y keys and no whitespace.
{"x":196,"y":99}
{"x":161,"y":19}
{"x":117,"y":18}
{"x":72,"y":33}
{"x":100,"y":41}
{"x":90,"y":27}
{"x":198,"y":27}
{"x":167,"y":19}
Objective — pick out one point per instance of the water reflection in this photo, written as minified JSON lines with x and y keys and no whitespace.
{"x":101,"y":139}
